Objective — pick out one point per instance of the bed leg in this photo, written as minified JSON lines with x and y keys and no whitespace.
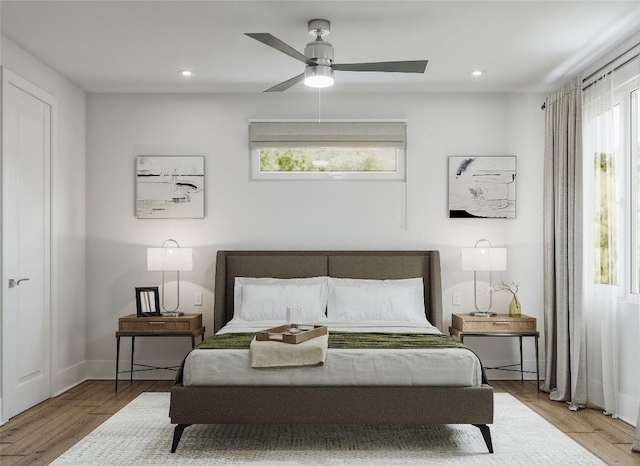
{"x":177,"y":434}
{"x":486,"y":434}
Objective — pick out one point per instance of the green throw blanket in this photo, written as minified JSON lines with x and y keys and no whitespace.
{"x":345,"y":340}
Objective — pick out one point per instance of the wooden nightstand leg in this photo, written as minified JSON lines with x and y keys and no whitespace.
{"x":117,"y":360}
{"x":193,"y":341}
{"x":521,"y":363}
{"x":133,"y":344}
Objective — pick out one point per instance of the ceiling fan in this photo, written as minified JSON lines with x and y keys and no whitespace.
{"x":318,"y":58}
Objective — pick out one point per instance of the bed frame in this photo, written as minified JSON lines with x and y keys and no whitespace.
{"x":330,"y":404}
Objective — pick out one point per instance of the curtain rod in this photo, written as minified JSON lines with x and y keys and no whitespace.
{"x":610,"y":62}
{"x":609,"y":72}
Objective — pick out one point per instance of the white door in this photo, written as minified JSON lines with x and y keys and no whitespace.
{"x":26,"y":135}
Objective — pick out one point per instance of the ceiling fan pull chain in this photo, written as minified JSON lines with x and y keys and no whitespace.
{"x":319,"y":105}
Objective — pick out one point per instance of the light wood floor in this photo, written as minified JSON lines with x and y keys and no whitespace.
{"x":41,"y":434}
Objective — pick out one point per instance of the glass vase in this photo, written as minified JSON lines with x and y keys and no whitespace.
{"x":515,"y":309}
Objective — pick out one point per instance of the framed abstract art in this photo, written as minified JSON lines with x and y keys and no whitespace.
{"x":482,"y":187}
{"x":170,"y":187}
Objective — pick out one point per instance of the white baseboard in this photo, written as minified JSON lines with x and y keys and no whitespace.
{"x":628,"y":409}
{"x":106,"y":370}
{"x":528,"y":365}
{"x":627,"y":405}
{"x":68,"y":378}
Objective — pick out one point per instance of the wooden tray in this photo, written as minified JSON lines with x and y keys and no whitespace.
{"x":282,"y":334}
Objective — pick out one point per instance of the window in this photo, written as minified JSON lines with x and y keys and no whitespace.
{"x":606,"y":180}
{"x":331,"y":150}
{"x":612,"y":168}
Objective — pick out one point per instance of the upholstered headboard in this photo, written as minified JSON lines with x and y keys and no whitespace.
{"x":339,"y":264}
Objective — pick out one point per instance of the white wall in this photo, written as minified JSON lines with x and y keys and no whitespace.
{"x":68,"y":216}
{"x":242,"y":214}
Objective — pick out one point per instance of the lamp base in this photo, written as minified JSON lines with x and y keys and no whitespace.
{"x":483,"y":314}
{"x":172,"y":314}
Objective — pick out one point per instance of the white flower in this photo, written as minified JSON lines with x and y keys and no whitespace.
{"x":502,"y":286}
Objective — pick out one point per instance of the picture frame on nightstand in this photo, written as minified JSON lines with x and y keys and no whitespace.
{"x":147,"y":301}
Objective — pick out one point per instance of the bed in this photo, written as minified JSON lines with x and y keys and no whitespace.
{"x":374,"y":403}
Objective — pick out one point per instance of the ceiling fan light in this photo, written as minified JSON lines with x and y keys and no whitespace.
{"x":319,"y":81}
{"x":318,"y":76}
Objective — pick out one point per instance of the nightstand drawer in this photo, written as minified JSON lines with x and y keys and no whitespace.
{"x":186,"y":323}
{"x":495,"y":324}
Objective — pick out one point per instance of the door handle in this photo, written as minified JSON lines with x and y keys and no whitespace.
{"x":13,"y":282}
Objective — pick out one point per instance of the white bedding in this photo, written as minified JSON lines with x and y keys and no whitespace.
{"x":406,"y":366}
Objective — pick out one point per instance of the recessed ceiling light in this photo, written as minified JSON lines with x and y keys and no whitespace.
{"x":185,"y":73}
{"x":476,"y":72}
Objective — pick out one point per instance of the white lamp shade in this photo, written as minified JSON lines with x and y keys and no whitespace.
{"x":484,"y":259}
{"x":169,"y":259}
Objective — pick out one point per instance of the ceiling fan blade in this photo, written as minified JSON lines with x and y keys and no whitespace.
{"x":283,"y":86}
{"x":277,"y":44}
{"x":417,"y":66}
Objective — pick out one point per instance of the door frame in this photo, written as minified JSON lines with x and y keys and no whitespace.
{"x":10,"y":78}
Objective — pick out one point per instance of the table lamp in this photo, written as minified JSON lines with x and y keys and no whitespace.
{"x":170,"y":259}
{"x":483,"y":258}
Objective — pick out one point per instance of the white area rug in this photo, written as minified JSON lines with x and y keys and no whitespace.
{"x":140,"y":434}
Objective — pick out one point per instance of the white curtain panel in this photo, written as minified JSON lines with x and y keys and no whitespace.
{"x":606,"y":299}
{"x":603,"y":198}
{"x":565,"y":374}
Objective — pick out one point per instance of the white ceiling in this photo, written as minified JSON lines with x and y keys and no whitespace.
{"x":139,"y":46}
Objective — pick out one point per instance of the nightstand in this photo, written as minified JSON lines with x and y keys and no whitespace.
{"x":501,"y":325}
{"x":187,"y":325}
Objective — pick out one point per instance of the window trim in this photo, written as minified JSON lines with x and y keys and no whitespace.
{"x":633,"y":188}
{"x":627,"y":264}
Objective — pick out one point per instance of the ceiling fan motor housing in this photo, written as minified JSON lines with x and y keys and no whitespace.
{"x":319,"y":51}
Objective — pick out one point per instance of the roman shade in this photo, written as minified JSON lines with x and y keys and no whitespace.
{"x":348,"y":134}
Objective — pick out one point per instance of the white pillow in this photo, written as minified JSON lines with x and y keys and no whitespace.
{"x":268,"y":298}
{"x":381,"y":300}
